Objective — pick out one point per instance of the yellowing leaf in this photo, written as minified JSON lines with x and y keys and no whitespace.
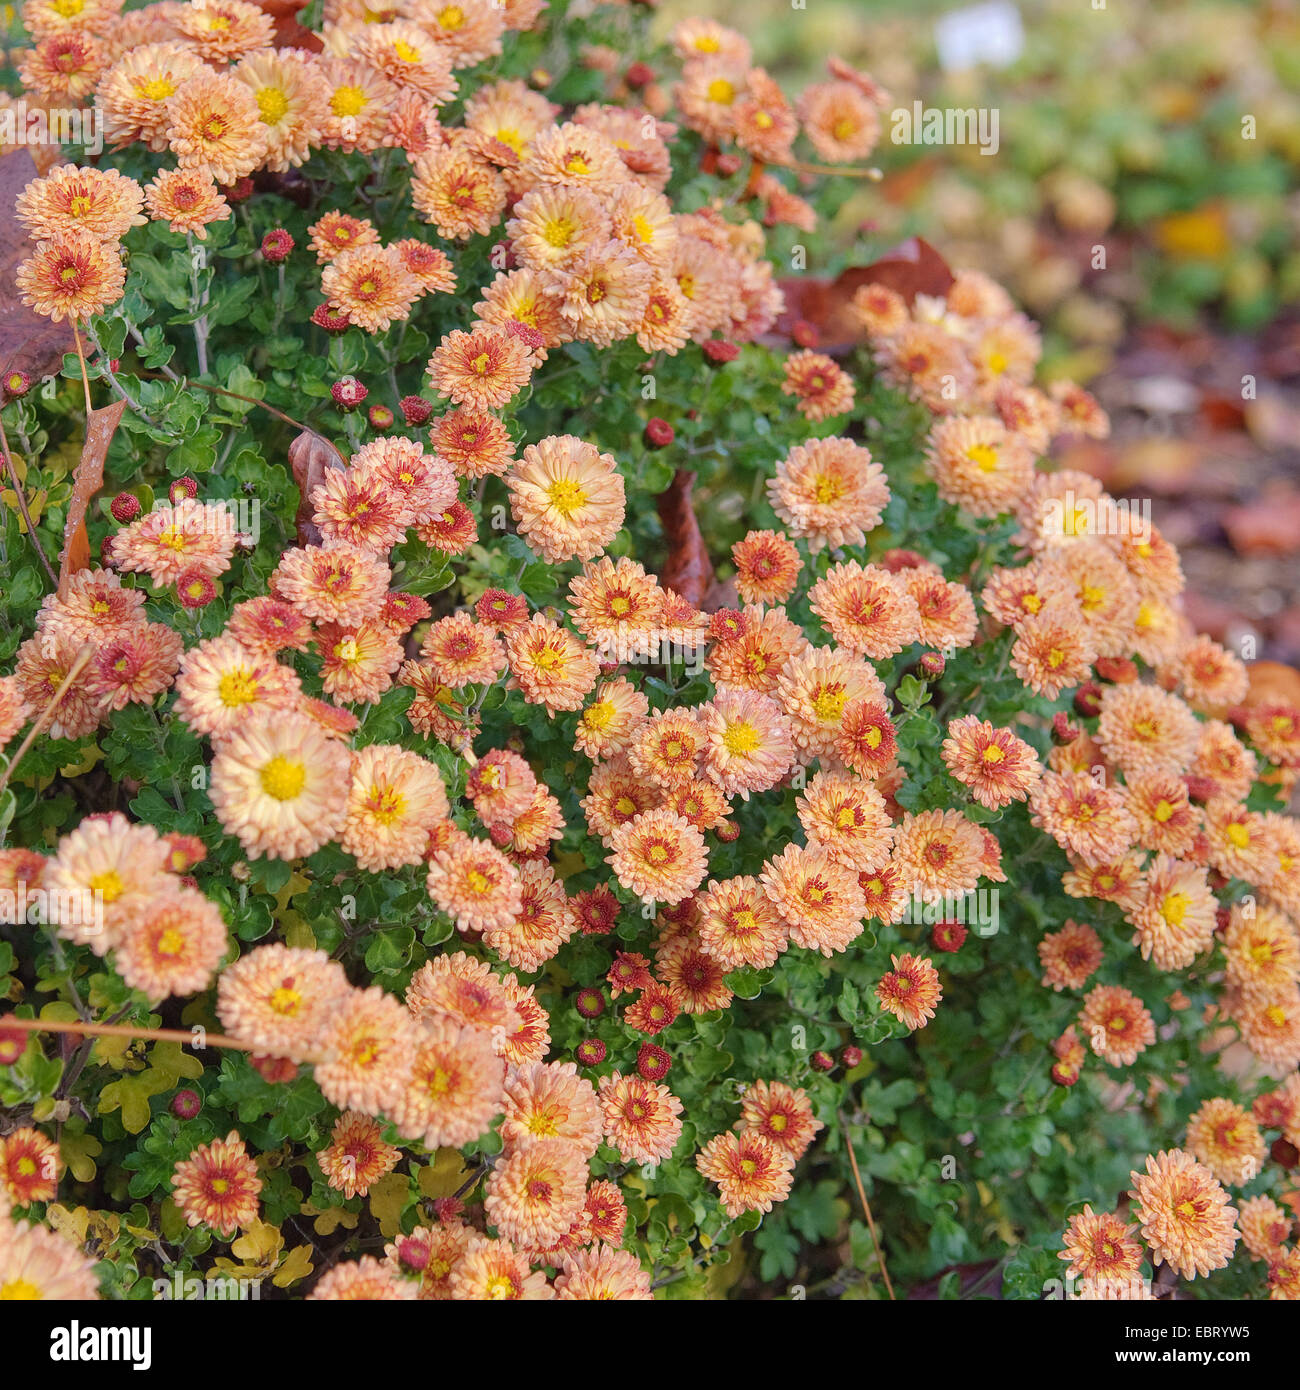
{"x":297,"y":930}
{"x":68,"y":1221}
{"x":170,"y":1061}
{"x":329,"y":1220}
{"x":90,"y":756}
{"x":113,"y":1052}
{"x":388,"y":1200}
{"x":171,"y":1221}
{"x":131,"y":1095}
{"x":444,"y":1176}
{"x":79,"y":1152}
{"x":295,"y":1265}
{"x":59,"y":1012}
{"x":260,"y":1245}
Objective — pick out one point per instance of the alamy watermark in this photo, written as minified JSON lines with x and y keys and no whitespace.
{"x":65,"y":907}
{"x":946,"y":125}
{"x":77,"y":125}
{"x":978,"y":909}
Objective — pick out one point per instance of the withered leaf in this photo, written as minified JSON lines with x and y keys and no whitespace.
{"x":911,"y":268}
{"x":310,"y":457}
{"x":687,"y":568}
{"x":86,"y":482}
{"x":28,"y":342}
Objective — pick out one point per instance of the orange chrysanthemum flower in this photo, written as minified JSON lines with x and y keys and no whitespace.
{"x":278,"y":999}
{"x":1070,"y":957}
{"x":218,"y":1185}
{"x":357,"y":1155}
{"x":537,"y":1191}
{"x":279,"y":784}
{"x":29,"y":1167}
{"x":938,"y":851}
{"x":781,"y":1114}
{"x":1224,"y":1136}
{"x":1185,"y":1214}
{"x":1099,"y":1245}
{"x":1088,"y":820}
{"x":551,"y":667}
{"x":821,"y":388}
{"x":829,"y":492}
{"x":475,"y":884}
{"x":819,"y":899}
{"x":640,"y":1118}
{"x":751,"y":1172}
{"x":995,"y":764}
{"x":866,"y":609}
{"x":1117,"y":1024}
{"x":73,"y":275}
{"x":658,"y":855}
{"x":567,"y":498}
{"x":911,"y":990}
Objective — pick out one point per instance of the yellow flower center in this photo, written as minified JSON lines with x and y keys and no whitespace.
{"x":993,"y":754}
{"x":829,"y":704}
{"x":721,"y":91}
{"x":26,"y":1167}
{"x":108,"y":885}
{"x":385,"y":804}
{"x":1164,"y":810}
{"x":499,"y":1287}
{"x":1174,"y":908}
{"x":154,"y":88}
{"x":748,"y":1167}
{"x":566,"y":496}
{"x":19,"y":1291}
{"x":625,"y":806}
{"x":657,"y":854}
{"x":283,"y":778}
{"x":559,"y":231}
{"x":405,"y":52}
{"x":1239,"y":835}
{"x":286,"y":1002}
{"x":221,"y":1186}
{"x":828,"y":489}
{"x":453,"y":17}
{"x":171,"y":942}
{"x":740,"y":738}
{"x":237,"y":687}
{"x":348,"y":101}
{"x":844,"y":128}
{"x":478,"y":881}
{"x":575,"y":164}
{"x":643,"y":229}
{"x":1276,"y":1015}
{"x":983,"y":456}
{"x":273,"y":104}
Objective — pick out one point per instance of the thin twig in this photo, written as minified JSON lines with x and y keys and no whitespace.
{"x":22,"y":506}
{"x":866,"y":1207}
{"x":85,"y":379}
{"x":79,"y":664}
{"x":120,"y":1030}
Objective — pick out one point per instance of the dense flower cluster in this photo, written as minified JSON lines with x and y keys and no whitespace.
{"x":804,"y":679}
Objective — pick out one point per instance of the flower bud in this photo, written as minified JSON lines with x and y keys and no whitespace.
{"x":659,"y":433}
{"x":415,"y":410}
{"x":186,"y":1104}
{"x":348,"y":393}
{"x":276,"y":246}
{"x":124,"y":507}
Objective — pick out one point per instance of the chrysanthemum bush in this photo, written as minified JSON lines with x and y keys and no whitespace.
{"x":448,"y":858}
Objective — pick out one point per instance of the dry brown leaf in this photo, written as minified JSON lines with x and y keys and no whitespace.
{"x":687,"y":568}
{"x":87,"y":480}
{"x":310,"y":457}
{"x":28,"y":342}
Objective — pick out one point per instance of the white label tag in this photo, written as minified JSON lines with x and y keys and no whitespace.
{"x":989,"y":33}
